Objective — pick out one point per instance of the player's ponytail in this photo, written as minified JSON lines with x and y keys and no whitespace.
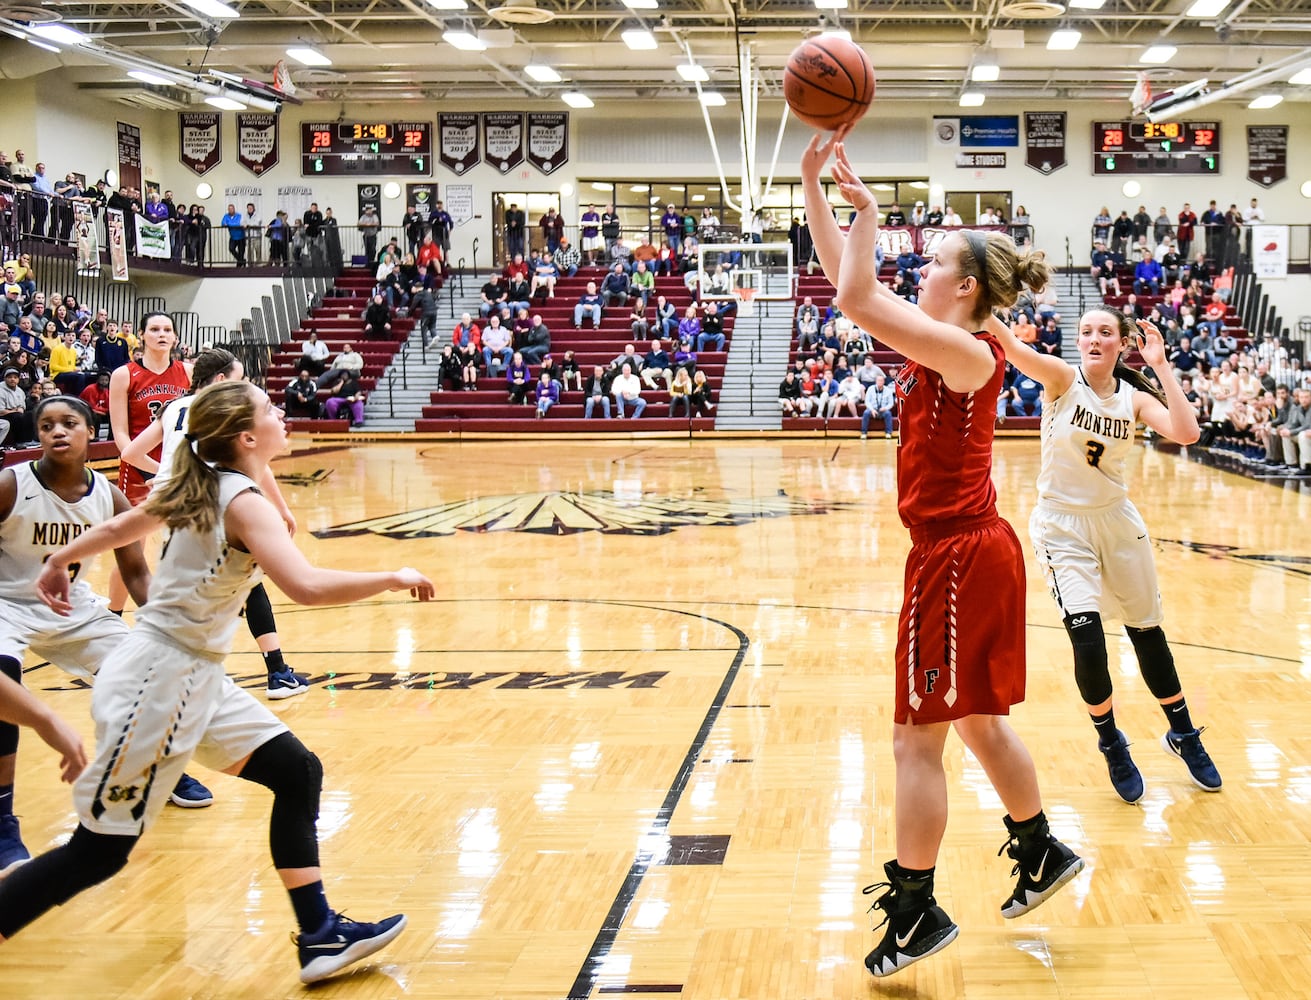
{"x":1122,"y":371}
{"x":190,"y":498}
{"x":1000,"y":269}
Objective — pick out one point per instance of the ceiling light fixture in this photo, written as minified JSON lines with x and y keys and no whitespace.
{"x":542,"y":73}
{"x":464,"y":41}
{"x":1265,"y":102}
{"x":693,"y":72}
{"x":154,"y":79}
{"x":211,"y":8}
{"x":576,"y":100}
{"x":59,"y":34}
{"x":641,"y":4}
{"x":1087,"y":4}
{"x":449,"y":4}
{"x":712,"y":99}
{"x":224,"y":103}
{"x":1158,"y":54}
{"x":1206,"y":8}
{"x":985,"y":71}
{"x":44,"y":45}
{"x":831,"y":4}
{"x":638,"y":39}
{"x":1064,"y":39}
{"x":1301,"y":78}
{"x":972,"y":99}
{"x":307,"y":56}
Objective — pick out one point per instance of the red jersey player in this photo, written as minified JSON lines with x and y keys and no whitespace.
{"x":960,"y":638}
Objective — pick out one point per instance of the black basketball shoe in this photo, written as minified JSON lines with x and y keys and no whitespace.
{"x":1042,"y":863}
{"x":917,"y":926}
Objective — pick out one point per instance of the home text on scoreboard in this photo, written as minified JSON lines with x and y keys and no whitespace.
{"x":366,"y":148}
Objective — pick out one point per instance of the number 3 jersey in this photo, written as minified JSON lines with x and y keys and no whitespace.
{"x":1085,"y":442}
{"x":41,"y":523}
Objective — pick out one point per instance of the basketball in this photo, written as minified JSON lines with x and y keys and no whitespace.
{"x":828,"y":82}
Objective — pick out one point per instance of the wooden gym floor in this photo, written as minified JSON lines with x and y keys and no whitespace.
{"x":641,"y":746}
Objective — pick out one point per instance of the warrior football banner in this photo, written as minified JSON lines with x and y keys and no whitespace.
{"x":503,"y":139}
{"x":1267,"y":154}
{"x":548,"y":140}
{"x":257,"y":141}
{"x":458,"y":134}
{"x":152,"y":238}
{"x":117,"y":244}
{"x":200,"y":146}
{"x":1044,"y":140}
{"x":129,"y":156}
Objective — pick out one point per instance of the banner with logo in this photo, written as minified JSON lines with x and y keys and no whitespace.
{"x":129,"y":156}
{"x":88,"y":239}
{"x":1267,"y":154}
{"x":257,"y":141}
{"x":1044,"y":140}
{"x":152,"y":238}
{"x":548,"y":140}
{"x":117,"y":244}
{"x":459,"y":203}
{"x":369,"y":194}
{"x":422,"y":197}
{"x":973,"y":131}
{"x":503,"y":139}
{"x":200,"y":146}
{"x":458,"y":135}
{"x":1270,"y":251}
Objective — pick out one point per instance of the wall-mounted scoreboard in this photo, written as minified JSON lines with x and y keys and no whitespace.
{"x":365,"y":148}
{"x":1142,"y":147}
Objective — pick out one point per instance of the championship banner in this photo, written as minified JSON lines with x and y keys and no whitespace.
{"x":1044,"y":140}
{"x":257,"y":141}
{"x":503,"y":139}
{"x":152,"y":238}
{"x":129,"y":156}
{"x":1270,"y":251}
{"x":117,"y":244}
{"x":200,"y":147}
{"x":459,"y":203}
{"x":1267,"y":154}
{"x":421,"y":197}
{"x":548,"y":140}
{"x":458,"y":135}
{"x":88,"y":239}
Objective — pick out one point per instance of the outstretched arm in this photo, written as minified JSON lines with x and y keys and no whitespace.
{"x":1055,"y":375}
{"x":824,"y":231}
{"x":118,"y":532}
{"x":1177,"y":420}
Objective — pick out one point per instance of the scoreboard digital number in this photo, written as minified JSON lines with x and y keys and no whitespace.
{"x":366,"y":148}
{"x":1142,"y":147}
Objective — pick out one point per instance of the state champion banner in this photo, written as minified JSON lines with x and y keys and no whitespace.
{"x":200,"y":145}
{"x":503,"y":139}
{"x":548,"y":140}
{"x":257,"y":141}
{"x":1044,"y":140}
{"x":458,"y":138}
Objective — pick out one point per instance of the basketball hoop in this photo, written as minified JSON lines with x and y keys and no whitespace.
{"x":745,"y":296}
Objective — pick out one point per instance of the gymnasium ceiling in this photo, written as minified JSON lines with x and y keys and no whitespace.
{"x":392,"y":50}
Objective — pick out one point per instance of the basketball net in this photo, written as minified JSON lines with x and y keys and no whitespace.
{"x":745,"y":300}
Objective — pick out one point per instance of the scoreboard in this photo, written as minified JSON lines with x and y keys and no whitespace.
{"x":366,"y":148}
{"x":1142,"y":147}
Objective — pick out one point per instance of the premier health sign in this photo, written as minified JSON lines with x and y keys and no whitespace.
{"x":990,"y":130}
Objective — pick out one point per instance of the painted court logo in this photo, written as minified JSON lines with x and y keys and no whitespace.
{"x":567,"y":513}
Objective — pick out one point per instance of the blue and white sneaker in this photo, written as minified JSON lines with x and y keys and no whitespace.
{"x":1125,"y":776}
{"x":189,"y":793}
{"x":341,"y":942}
{"x":286,"y":683}
{"x":1188,"y":748}
{"x":12,"y":851}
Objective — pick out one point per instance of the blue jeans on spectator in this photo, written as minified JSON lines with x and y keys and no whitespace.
{"x":570,"y":272}
{"x":544,"y":404}
{"x":710,"y":338}
{"x":639,"y":404}
{"x":868,"y":415}
{"x":591,"y":401}
{"x":581,"y":310}
{"x":505,"y":354}
{"x":670,"y":327}
{"x":1017,"y":407}
{"x":1141,"y":287}
{"x":1211,"y":326}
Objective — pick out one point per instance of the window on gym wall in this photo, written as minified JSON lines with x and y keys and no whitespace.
{"x":787,"y":201}
{"x":971,"y":204}
{"x":534,"y":206}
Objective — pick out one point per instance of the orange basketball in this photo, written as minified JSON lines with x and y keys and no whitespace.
{"x":828,"y":82}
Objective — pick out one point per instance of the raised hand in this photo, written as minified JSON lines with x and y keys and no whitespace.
{"x":818,"y":151}
{"x":1151,"y":346}
{"x":849,"y":183}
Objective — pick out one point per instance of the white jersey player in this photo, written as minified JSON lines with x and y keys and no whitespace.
{"x":44,"y":505}
{"x":1089,"y":538}
{"x":163,"y":695}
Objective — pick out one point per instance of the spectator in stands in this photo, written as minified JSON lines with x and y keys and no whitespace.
{"x":423,"y":306}
{"x":63,"y":364}
{"x":1025,"y":332}
{"x":627,"y":392}
{"x":345,"y":394}
{"x":1212,"y":319}
{"x":1049,"y":337}
{"x":303,"y":396}
{"x":689,"y":328}
{"x":645,"y":252}
{"x":619,"y":255}
{"x":656,"y":363}
{"x":1294,"y":435}
{"x":589,"y":230}
{"x":377,"y":319}
{"x":1147,"y":275}
{"x":279,"y":233}
{"x":491,"y":296}
{"x":589,"y":304}
{"x":1183,"y":359}
{"x":516,"y":226}
{"x":450,"y":369}
{"x":429,"y":253}
{"x":313,"y":354}
{"x":1122,"y":232}
{"x":112,"y":350}
{"x":552,"y":227}
{"x":826,"y":389}
{"x":597,"y":389}
{"x":537,"y":341}
{"x":666,"y":316}
{"x":545,"y":274}
{"x":902,"y":286}
{"x":680,"y":391}
{"x":570,"y":372}
{"x":348,"y":362}
{"x":496,"y":345}
{"x":616,"y":287}
{"x":11,"y":307}
{"x":96,"y":396}
{"x":789,"y":394}
{"x":609,"y":228}
{"x":546,"y":393}
{"x":1171,"y":262}
{"x":1103,"y":270}
{"x":231,"y":221}
{"x":869,"y":373}
{"x":14,"y":425}
{"x":711,"y":337}
{"x":642,"y":281}
{"x":1132,"y":307}
{"x":849,"y":394}
{"x":807,"y":311}
{"x":1102,"y":226}
{"x":703,"y":401}
{"x":518,"y":379}
{"x":567,"y":259}
{"x":880,"y":401}
{"x":1026,"y":396}
{"x":1162,"y":226}
{"x":637,"y":320}
{"x":672,"y":225}
{"x":909,"y":263}
{"x":1280,"y":411}
{"x":667,"y":260}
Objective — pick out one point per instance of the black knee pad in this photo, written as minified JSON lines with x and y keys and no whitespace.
{"x":12,"y":669}
{"x":259,"y":612}
{"x":1091,"y":672}
{"x":1155,"y":661}
{"x":295,"y":776}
